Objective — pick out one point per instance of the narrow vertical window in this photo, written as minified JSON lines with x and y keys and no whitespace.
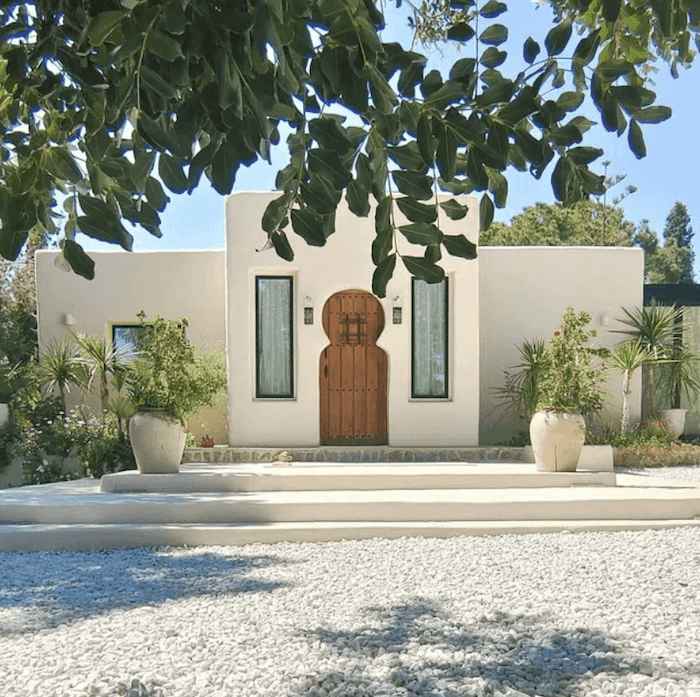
{"x":429,"y":339}
{"x":273,"y":304}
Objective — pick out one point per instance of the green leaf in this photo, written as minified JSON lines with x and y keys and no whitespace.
{"x":495,"y":34}
{"x":282,"y":246}
{"x":558,"y":37}
{"x":413,"y":184}
{"x":531,"y":50}
{"x":426,"y":141}
{"x":586,"y":49}
{"x":329,"y":134}
{"x":423,"y":269}
{"x":498,"y":186}
{"x":416,"y":212}
{"x":327,"y":164}
{"x":308,"y":226}
{"x":156,"y":83}
{"x":230,"y":88}
{"x":407,"y":156}
{"x":382,"y":275}
{"x":570,"y":101}
{"x":450,"y":93}
{"x":493,"y":8}
{"x":383,"y":95}
{"x":653,"y":114}
{"x":60,"y":164}
{"x":584,"y":155}
{"x":224,"y":165}
{"x":78,"y":260}
{"x":486,"y":212}
{"x":358,"y":199}
{"x":163,"y":46}
{"x":175,"y":18}
{"x":432,"y":253}
{"x":635,"y":138}
{"x":454,"y":209}
{"x":459,"y":246}
{"x":275,"y":212}
{"x":421,"y":233}
{"x":383,"y":242}
{"x":172,"y":174}
{"x":157,"y":198}
{"x":461,"y":31}
{"x":446,"y":155}
{"x":611,"y":10}
{"x":492,"y":57}
{"x":102,"y":26}
{"x":319,"y":196}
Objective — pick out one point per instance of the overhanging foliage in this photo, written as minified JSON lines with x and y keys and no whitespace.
{"x":95,"y":97}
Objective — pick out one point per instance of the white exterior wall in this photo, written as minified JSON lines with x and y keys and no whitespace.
{"x":344,"y":263}
{"x":173,"y":284}
{"x":525,"y":290}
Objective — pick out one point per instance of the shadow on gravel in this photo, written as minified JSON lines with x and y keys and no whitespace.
{"x":47,"y":589}
{"x":419,"y":649}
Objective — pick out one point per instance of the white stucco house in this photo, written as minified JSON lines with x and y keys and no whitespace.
{"x":315,"y":358}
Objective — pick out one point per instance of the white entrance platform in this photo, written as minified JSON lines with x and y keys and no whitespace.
{"x":234,"y":504}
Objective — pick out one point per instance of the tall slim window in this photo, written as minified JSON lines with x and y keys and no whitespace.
{"x":274,"y":365}
{"x":429,"y":340}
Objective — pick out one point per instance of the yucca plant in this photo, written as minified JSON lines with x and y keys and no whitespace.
{"x":102,"y":360}
{"x":655,"y":327}
{"x":59,"y":368}
{"x":520,"y":390}
{"x":627,"y":357}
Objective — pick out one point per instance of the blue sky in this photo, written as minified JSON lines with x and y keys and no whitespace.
{"x":664,"y":176}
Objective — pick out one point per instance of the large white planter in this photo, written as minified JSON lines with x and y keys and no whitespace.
{"x":674,"y":420}
{"x":557,"y":440}
{"x":157,"y":442}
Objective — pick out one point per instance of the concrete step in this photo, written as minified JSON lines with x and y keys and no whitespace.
{"x":357,"y":477}
{"x":625,"y":501}
{"x":37,"y":537}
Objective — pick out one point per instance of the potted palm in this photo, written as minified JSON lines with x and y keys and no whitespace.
{"x":167,"y":383}
{"x":569,"y":389}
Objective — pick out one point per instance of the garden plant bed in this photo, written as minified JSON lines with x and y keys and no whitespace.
{"x":656,"y":455}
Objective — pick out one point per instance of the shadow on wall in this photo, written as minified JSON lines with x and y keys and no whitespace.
{"x":419,"y":649}
{"x":77,"y":585}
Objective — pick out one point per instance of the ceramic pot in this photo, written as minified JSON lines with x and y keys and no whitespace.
{"x":157,"y":441}
{"x":674,"y":420}
{"x":557,"y":440}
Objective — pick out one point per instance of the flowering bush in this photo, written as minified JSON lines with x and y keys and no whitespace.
{"x":58,"y":447}
{"x":569,"y":381}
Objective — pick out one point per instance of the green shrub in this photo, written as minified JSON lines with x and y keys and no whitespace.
{"x":56,"y":447}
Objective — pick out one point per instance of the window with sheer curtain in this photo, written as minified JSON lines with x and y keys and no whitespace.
{"x":429,"y":339}
{"x":273,"y":305}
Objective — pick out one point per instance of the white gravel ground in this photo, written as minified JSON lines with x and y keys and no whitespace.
{"x":553,"y":614}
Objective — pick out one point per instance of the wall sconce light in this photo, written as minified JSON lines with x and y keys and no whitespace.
{"x":69,"y":320}
{"x":396,"y":310}
{"x":308,"y":310}
{"x":604,"y":320}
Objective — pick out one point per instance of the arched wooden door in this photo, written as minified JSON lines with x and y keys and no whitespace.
{"x":353,"y":371}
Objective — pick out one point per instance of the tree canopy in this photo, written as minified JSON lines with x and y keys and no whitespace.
{"x":97,"y":97}
{"x":584,"y":223}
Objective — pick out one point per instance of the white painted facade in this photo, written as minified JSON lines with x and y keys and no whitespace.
{"x":495,"y":302}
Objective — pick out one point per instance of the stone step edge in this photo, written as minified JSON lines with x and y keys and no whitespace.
{"x":81,"y":537}
{"x":593,"y":457}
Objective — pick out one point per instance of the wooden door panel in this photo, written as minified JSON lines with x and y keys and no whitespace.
{"x":353,"y":371}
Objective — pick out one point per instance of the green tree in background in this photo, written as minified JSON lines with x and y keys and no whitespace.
{"x":584,"y":223}
{"x":95,"y":97}
{"x":672,"y":262}
{"x":678,"y":236}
